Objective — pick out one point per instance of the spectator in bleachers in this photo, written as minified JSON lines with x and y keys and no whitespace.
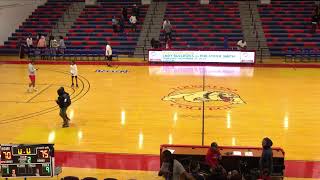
{"x":121,"y":25}
{"x":218,"y":173}
{"x":266,"y":160}
{"x":62,"y":45}
{"x":133,"y":21}
{"x":108,"y":52}
{"x":125,"y":13}
{"x":242,"y":44}
{"x":155,"y":43}
{"x":115,"y":24}
{"x":166,"y":26}
{"x":169,"y":44}
{"x":53,"y":47}
{"x":234,"y":175}
{"x":136,"y":11}
{"x":194,"y":170}
{"x":314,"y":22}
{"x":225,"y":42}
{"x":172,"y":169}
{"x":29,"y":42}
{"x":213,"y":156}
{"x":50,"y":39}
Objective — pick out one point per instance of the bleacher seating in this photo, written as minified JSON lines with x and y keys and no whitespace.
{"x":204,"y":26}
{"x":42,"y":20}
{"x":93,"y":28}
{"x":287,"y":25}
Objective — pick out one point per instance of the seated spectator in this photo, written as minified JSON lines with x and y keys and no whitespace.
{"x":234,"y":175}
{"x":121,"y":25}
{"x":115,"y":24}
{"x":62,"y":45}
{"x":125,"y":13}
{"x":218,"y":173}
{"x":29,"y":42}
{"x":153,"y":42}
{"x":133,"y":21}
{"x":194,"y":170}
{"x":241,"y":45}
{"x":166,"y":26}
{"x":314,"y":22}
{"x":213,"y":156}
{"x":169,"y":44}
{"x":266,"y":160}
{"x":136,"y":11}
{"x":172,"y":169}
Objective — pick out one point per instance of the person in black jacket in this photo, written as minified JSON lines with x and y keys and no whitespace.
{"x":266,"y":160}
{"x":64,"y":102}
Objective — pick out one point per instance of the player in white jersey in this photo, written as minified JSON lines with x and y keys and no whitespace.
{"x":32,"y":76}
{"x":74,"y":73}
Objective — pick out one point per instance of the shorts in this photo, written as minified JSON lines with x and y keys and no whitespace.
{"x":32,"y":78}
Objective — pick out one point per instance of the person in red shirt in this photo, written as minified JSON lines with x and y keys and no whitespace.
{"x":213,"y":156}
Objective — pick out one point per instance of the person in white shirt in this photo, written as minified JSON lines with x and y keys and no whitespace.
{"x":29,"y":42}
{"x":74,"y":73}
{"x":241,"y":45}
{"x":32,"y":76}
{"x":133,"y":21}
{"x":108,"y":52}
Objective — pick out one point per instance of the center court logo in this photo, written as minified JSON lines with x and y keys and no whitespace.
{"x":192,"y":96}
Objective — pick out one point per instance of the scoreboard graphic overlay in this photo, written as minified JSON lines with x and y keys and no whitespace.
{"x":27,"y":160}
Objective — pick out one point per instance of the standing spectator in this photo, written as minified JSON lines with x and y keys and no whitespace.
{"x":266,"y":160}
{"x":53,"y":47}
{"x":42,"y":42}
{"x":29,"y":42}
{"x":114,"y":24}
{"x":133,"y":21}
{"x":241,"y":45}
{"x":42,"y":46}
{"x":136,"y":11}
{"x":172,"y":169}
{"x":62,"y":45}
{"x":213,"y":156}
{"x":125,"y":13}
{"x":121,"y":25}
{"x":166,"y":26}
{"x":108,"y":52}
{"x":21,"y":45}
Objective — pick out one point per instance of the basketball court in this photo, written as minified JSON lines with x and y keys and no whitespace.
{"x":134,"y":109}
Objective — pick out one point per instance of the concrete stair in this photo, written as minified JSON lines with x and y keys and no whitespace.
{"x":253,"y":30}
{"x":151,"y":28}
{"x":68,"y":19}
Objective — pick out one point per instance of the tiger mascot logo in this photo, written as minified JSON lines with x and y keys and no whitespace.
{"x":215,"y":98}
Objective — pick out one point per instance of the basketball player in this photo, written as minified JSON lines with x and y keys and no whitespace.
{"x":64,"y":102}
{"x":74,"y":73}
{"x":32,"y":76}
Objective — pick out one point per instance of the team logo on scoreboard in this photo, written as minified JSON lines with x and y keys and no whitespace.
{"x":215,"y":97}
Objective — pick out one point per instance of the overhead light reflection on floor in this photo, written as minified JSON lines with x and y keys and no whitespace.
{"x":51,"y":137}
{"x":140,"y":140}
{"x":123,"y":117}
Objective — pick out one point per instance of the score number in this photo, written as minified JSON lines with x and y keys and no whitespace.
{"x":7,"y":155}
{"x":44,"y":153}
